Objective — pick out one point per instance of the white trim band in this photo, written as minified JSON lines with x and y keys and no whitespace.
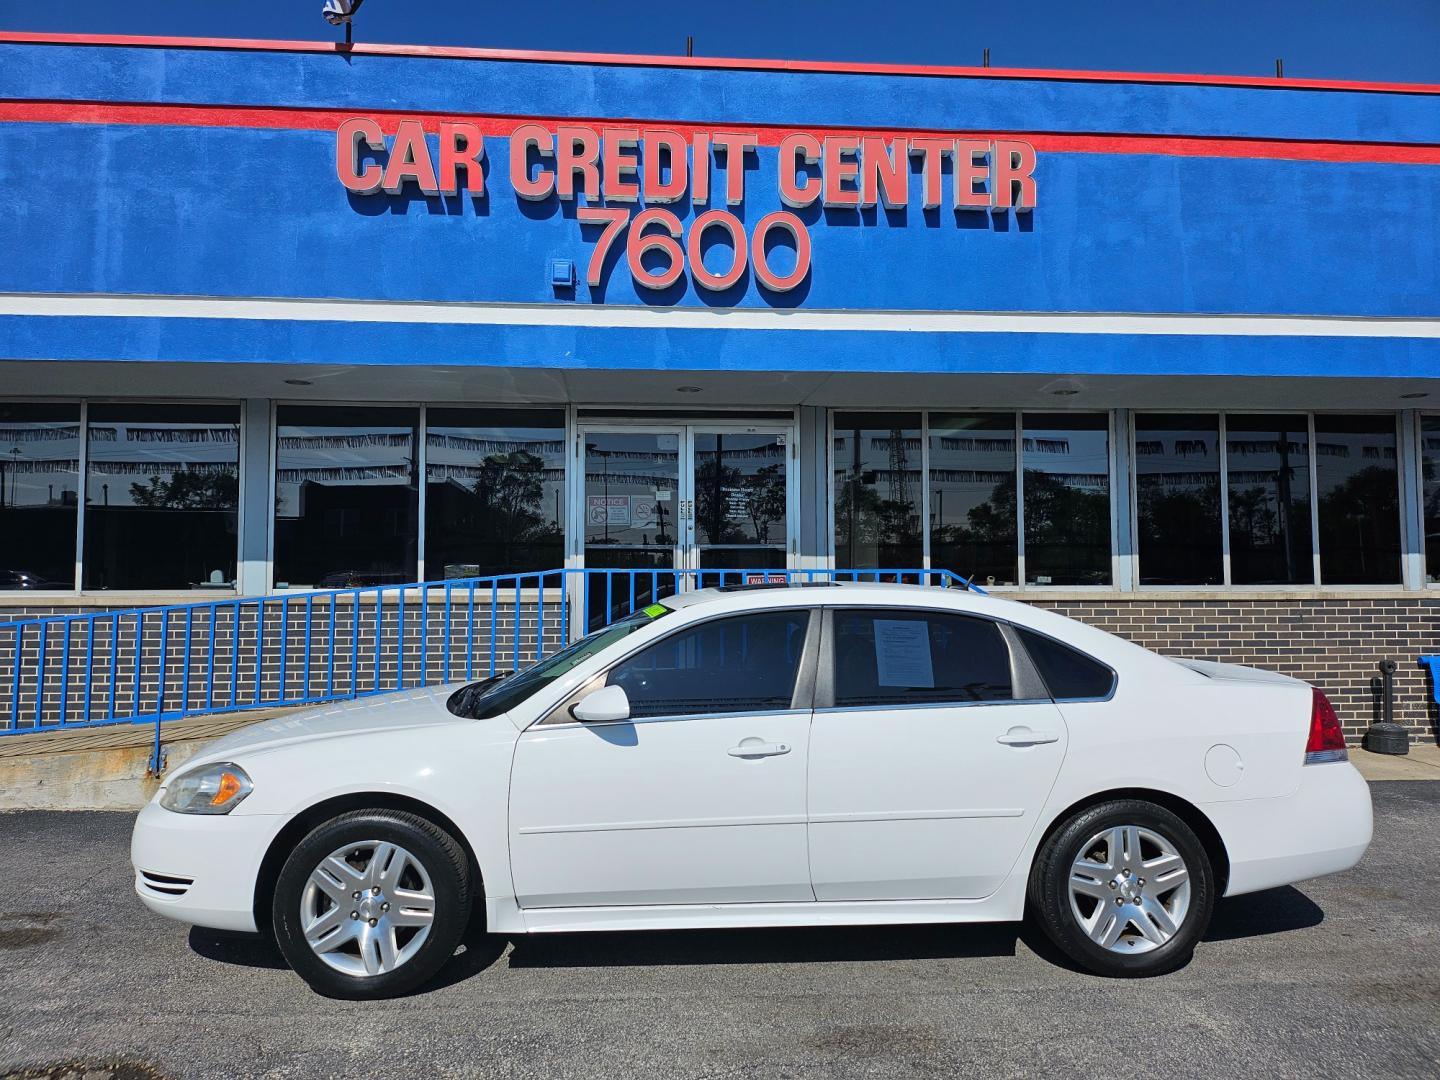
{"x":676,"y":318}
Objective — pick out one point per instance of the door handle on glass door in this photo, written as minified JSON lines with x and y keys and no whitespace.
{"x":1023,"y":736}
{"x":753,"y":747}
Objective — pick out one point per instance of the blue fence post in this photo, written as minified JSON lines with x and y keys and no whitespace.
{"x":214,"y":611}
{"x":15,"y":677}
{"x":40,"y":677}
{"x":89,"y":662}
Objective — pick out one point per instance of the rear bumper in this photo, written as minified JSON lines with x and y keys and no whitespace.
{"x":200,"y":870}
{"x":1322,"y":828}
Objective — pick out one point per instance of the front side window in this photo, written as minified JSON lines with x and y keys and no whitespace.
{"x":162,"y":488}
{"x":1358,"y":480}
{"x":494,"y":491}
{"x":1067,"y":499}
{"x":878,"y":459}
{"x":346,"y":496}
{"x":743,"y":664}
{"x":906,"y":657}
{"x":39,"y":485}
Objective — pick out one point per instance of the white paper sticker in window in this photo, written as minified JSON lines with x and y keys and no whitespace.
{"x":902,"y":653}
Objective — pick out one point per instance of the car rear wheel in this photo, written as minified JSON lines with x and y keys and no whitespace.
{"x":1124,"y":888}
{"x":372,"y":903}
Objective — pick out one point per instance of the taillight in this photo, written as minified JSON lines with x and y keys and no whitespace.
{"x":1327,"y":741}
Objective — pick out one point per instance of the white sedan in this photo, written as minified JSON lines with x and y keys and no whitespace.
{"x":794,"y":756}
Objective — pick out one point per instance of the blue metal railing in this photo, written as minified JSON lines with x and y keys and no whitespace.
{"x":153,"y":664}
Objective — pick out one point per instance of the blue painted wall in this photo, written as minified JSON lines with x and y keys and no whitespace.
{"x":245,"y":212}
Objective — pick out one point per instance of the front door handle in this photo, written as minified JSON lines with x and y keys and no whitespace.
{"x":1023,"y":736}
{"x":753,"y":747}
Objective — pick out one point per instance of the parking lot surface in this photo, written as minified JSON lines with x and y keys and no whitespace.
{"x":1336,"y":977}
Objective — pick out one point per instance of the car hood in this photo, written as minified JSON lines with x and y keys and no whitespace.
{"x":385,"y":712}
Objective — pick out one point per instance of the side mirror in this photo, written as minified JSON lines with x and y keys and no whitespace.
{"x":604,"y":705}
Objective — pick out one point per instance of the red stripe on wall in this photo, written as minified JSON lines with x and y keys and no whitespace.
{"x":711,"y":62}
{"x":71,"y":112}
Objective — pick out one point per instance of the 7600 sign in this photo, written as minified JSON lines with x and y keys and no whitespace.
{"x":664,"y":234}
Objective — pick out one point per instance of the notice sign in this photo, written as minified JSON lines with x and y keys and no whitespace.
{"x":607,"y":509}
{"x":902,"y":653}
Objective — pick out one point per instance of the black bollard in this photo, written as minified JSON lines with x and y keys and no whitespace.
{"x":1386,"y":736}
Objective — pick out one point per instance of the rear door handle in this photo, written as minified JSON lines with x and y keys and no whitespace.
{"x":752,"y":747}
{"x":1023,"y":736}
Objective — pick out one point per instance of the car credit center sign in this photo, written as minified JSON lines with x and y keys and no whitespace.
{"x":626,"y":165}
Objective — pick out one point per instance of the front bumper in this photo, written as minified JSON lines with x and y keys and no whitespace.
{"x":199,"y":869}
{"x":1323,"y":827}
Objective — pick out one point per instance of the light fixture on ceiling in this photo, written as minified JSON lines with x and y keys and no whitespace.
{"x":1065,"y":391}
{"x":298,"y":382}
{"x":1412,"y":397}
{"x":687,"y":389}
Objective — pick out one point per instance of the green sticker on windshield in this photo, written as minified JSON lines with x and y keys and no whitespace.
{"x":655,"y":610}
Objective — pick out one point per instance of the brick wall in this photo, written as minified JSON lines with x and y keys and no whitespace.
{"x":1332,"y":642}
{"x":100,"y":678}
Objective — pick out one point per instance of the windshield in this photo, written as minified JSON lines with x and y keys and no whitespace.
{"x":491,"y":697}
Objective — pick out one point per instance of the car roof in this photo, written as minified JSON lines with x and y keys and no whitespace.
{"x":778,"y":594}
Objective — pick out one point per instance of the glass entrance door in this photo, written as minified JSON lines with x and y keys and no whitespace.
{"x":685,"y":503}
{"x":742,"y":504}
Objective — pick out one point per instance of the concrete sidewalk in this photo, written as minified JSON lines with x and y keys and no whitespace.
{"x":1422,"y":763}
{"x":103,"y":768}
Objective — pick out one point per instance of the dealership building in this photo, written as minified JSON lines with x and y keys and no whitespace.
{"x":1161,"y":352}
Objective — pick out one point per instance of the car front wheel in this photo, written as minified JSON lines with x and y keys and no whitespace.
{"x":372,"y":903}
{"x":1124,"y":888}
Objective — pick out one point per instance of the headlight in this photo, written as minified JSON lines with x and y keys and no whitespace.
{"x":210,"y":789}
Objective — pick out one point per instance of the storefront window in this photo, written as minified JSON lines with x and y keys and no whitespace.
{"x":39,"y":485}
{"x":1067,"y":499}
{"x":1430,"y":463}
{"x":1359,"y":489}
{"x":346,"y":496}
{"x":1177,"y":494}
{"x":972,"y":496}
{"x":877,"y":490}
{"x":161,"y":493}
{"x":495,"y":491}
{"x":1268,"y":465}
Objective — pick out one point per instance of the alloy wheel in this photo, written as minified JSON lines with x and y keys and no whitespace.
{"x":367,"y":908}
{"x":1129,"y":889}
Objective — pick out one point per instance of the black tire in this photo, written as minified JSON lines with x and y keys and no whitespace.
{"x":443,"y":860}
{"x":1049,"y":894}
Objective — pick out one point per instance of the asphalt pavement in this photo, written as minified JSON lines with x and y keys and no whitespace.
{"x":1335,"y":977}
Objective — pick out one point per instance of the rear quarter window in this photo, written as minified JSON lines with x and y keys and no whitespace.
{"x":1068,"y":673}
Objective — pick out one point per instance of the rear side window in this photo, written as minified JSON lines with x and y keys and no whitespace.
{"x":1067,"y":672}
{"x":906,"y":657}
{"x":747,"y":663}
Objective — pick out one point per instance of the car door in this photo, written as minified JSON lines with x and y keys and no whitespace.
{"x":697,"y":798}
{"x":933,"y":748}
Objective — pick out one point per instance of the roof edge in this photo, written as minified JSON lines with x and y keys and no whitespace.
{"x":18,"y":37}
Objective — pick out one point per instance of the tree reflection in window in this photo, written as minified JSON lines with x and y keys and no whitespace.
{"x":877,"y":490}
{"x":1067,"y":499}
{"x":495,"y":483}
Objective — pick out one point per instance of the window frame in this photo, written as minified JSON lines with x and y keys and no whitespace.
{"x":77,"y":588}
{"x":1025,"y":681}
{"x":802,"y":695}
{"x":1018,"y":416}
{"x":77,"y":578}
{"x":1317,"y":584}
